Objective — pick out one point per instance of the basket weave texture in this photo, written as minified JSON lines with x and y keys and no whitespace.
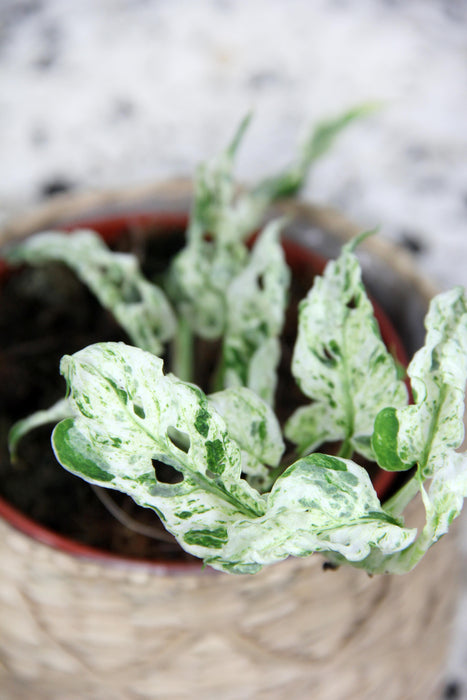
{"x":75,"y":629}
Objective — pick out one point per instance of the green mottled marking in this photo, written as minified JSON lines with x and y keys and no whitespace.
{"x":215,"y":456}
{"x":73,"y":460}
{"x":384,"y":517}
{"x":207,"y":538}
{"x":145,"y":479}
{"x":121,"y":393}
{"x":350,"y":479}
{"x":328,"y":462}
{"x":237,"y":567}
{"x":309,"y":503}
{"x":139,"y":410}
{"x":202,"y":422}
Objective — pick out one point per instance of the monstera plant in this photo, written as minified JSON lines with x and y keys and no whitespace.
{"x":234,"y":500}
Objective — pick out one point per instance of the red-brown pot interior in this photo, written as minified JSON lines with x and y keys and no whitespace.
{"x":301,"y":260}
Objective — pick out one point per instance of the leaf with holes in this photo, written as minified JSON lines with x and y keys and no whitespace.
{"x":129,"y":415}
{"x":341,"y":362}
{"x":140,"y":307}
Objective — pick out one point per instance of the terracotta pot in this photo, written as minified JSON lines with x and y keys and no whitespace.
{"x":76,"y":622}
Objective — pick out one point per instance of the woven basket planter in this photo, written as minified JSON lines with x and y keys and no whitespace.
{"x":78,"y":626}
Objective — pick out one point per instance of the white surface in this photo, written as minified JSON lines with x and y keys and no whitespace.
{"x":119,"y":92}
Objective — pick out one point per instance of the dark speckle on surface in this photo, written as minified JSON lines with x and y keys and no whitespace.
{"x":122,"y":109}
{"x":49,"y":51}
{"x":456,"y":11}
{"x":39,"y":136}
{"x":54,"y":186}
{"x":329,"y":566}
{"x":412,"y":242}
{"x":431,"y":183}
{"x":224,"y":5}
{"x":452,"y":690}
{"x":13,"y":13}
{"x":417,"y":152}
{"x":264,"y":79}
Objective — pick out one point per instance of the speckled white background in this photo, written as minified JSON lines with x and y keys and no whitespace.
{"x":127,"y":91}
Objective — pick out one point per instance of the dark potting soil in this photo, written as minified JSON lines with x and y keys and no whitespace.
{"x":46,"y":313}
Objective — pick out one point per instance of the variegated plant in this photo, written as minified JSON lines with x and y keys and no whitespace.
{"x":236,"y":501}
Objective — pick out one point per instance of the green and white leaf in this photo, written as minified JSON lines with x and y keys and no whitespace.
{"x":253,"y":425}
{"x":443,"y":502}
{"x":445,"y":497}
{"x":215,"y":250}
{"x":223,"y":217}
{"x":60,"y":410}
{"x":256,"y":301}
{"x":320,"y":140}
{"x":140,"y":307}
{"x":341,"y":362}
{"x":319,"y":504}
{"x":425,"y":432}
{"x":131,"y":414}
{"x":428,"y":433}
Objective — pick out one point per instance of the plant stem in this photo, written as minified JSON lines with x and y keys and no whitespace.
{"x":397,"y":503}
{"x":129,"y":522}
{"x":182,"y":365}
{"x":346,"y":450}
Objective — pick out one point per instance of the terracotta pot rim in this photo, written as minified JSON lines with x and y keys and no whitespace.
{"x":167,"y":220}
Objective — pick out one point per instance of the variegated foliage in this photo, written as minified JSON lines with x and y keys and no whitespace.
{"x":130,"y":415}
{"x":256,"y":302}
{"x":428,"y":434}
{"x":233,"y":502}
{"x":140,"y":307}
{"x":223,"y":218}
{"x":341,"y":363}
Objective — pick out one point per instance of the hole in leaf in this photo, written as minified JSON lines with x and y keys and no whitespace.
{"x":166,"y":474}
{"x":326,"y":357}
{"x":261,"y":282}
{"x":178,"y":438}
{"x":352,"y":303}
